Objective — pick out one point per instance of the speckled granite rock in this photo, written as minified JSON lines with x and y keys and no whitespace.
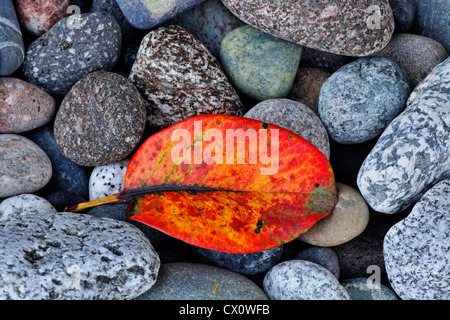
{"x":417,"y":55}
{"x":431,"y":20}
{"x":313,"y":23}
{"x":180,"y":78}
{"x":38,"y":16}
{"x":302,"y":280}
{"x":64,"y":54}
{"x":348,"y":220}
{"x":23,"y":204}
{"x":359,"y":100}
{"x":24,"y":167}
{"x":12,"y":50}
{"x":63,"y":256}
{"x":146,"y":14}
{"x":358,"y":289}
{"x":252,"y":263}
{"x":295,"y":117}
{"x":413,"y":153}
{"x":258,"y":64}
{"x":111,"y":7}
{"x":107,"y":180}
{"x":101,"y":120}
{"x":193,"y":281}
{"x":209,"y":22}
{"x":23,"y":106}
{"x":324,"y":257}
{"x":404,"y":12}
{"x":417,"y":249}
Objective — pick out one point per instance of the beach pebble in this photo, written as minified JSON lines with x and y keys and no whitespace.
{"x":209,"y":22}
{"x":146,"y":14}
{"x":365,"y":289}
{"x":24,"y":166}
{"x":23,"y":106}
{"x":194,"y":281}
{"x":180,"y":78}
{"x":72,"y":48}
{"x":22,"y":204}
{"x":111,"y":7}
{"x":12,"y":49}
{"x":66,"y":256}
{"x":38,"y":16}
{"x":295,"y":117}
{"x":413,"y":153}
{"x":324,"y":257}
{"x":307,"y":85}
{"x":258,"y":64}
{"x":359,"y":100}
{"x":417,"y":249}
{"x":417,"y":55}
{"x":313,"y":23}
{"x":107,"y":180}
{"x":252,"y":263}
{"x":348,"y":220}
{"x":404,"y":12}
{"x":302,"y":280}
{"x":101,"y":120}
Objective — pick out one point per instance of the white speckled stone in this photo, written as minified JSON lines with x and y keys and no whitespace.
{"x":413,"y":153}
{"x":107,"y":180}
{"x":24,"y":203}
{"x":64,"y":256}
{"x":417,"y":249}
{"x":302,"y":280}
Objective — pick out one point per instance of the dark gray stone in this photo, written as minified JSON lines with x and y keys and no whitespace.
{"x":404,"y":12}
{"x":323,"y":256}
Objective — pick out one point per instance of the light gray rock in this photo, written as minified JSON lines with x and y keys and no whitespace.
{"x":295,"y":117}
{"x":302,"y":280}
{"x":413,"y":153}
{"x":23,"y":204}
{"x":194,"y":281}
{"x":24,"y":166}
{"x":360,"y":99}
{"x":63,"y":256}
{"x":417,"y":249}
{"x":107,"y":180}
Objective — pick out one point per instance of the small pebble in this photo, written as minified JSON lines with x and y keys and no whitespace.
{"x":22,"y":204}
{"x":365,"y":289}
{"x":107,"y":180}
{"x":324,"y":257}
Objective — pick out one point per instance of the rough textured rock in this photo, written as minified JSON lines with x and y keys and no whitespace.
{"x":192,"y":281}
{"x":359,"y":100}
{"x":107,"y":180}
{"x":417,"y":55}
{"x":12,"y":50}
{"x":180,"y":78}
{"x":146,"y":14}
{"x":111,"y":7}
{"x":358,"y":289}
{"x":413,"y":153}
{"x":72,"y":48}
{"x":23,"y":204}
{"x":24,"y":167}
{"x":38,"y":16}
{"x":417,"y":250}
{"x":101,"y":120}
{"x":313,"y":23}
{"x":302,"y":280}
{"x":293,"y":116}
{"x":63,"y":256}
{"x":258,"y":64}
{"x":23,"y":106}
{"x":348,"y":220}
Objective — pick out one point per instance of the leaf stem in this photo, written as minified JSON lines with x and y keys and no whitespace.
{"x":94,"y":203}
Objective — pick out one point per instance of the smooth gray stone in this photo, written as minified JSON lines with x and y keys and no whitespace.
{"x":358,"y":289}
{"x":12,"y":51}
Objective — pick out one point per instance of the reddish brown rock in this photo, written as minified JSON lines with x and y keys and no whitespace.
{"x":306,"y":87}
{"x":23,"y":106}
{"x":38,"y":16}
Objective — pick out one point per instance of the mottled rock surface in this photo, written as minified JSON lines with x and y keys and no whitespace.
{"x":64,"y":256}
{"x":107,"y":180}
{"x":23,"y":106}
{"x":101,"y":120}
{"x":180,"y":78}
{"x":313,"y":23}
{"x":24,"y":204}
{"x":417,"y":249}
{"x":413,"y":153}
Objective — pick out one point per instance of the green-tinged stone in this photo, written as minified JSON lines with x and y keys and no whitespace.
{"x":11,"y":42}
{"x":260,"y":65}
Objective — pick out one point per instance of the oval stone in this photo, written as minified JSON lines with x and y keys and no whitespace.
{"x":23,"y":106}
{"x":24,"y":166}
{"x":22,"y":204}
{"x":107,"y":180}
